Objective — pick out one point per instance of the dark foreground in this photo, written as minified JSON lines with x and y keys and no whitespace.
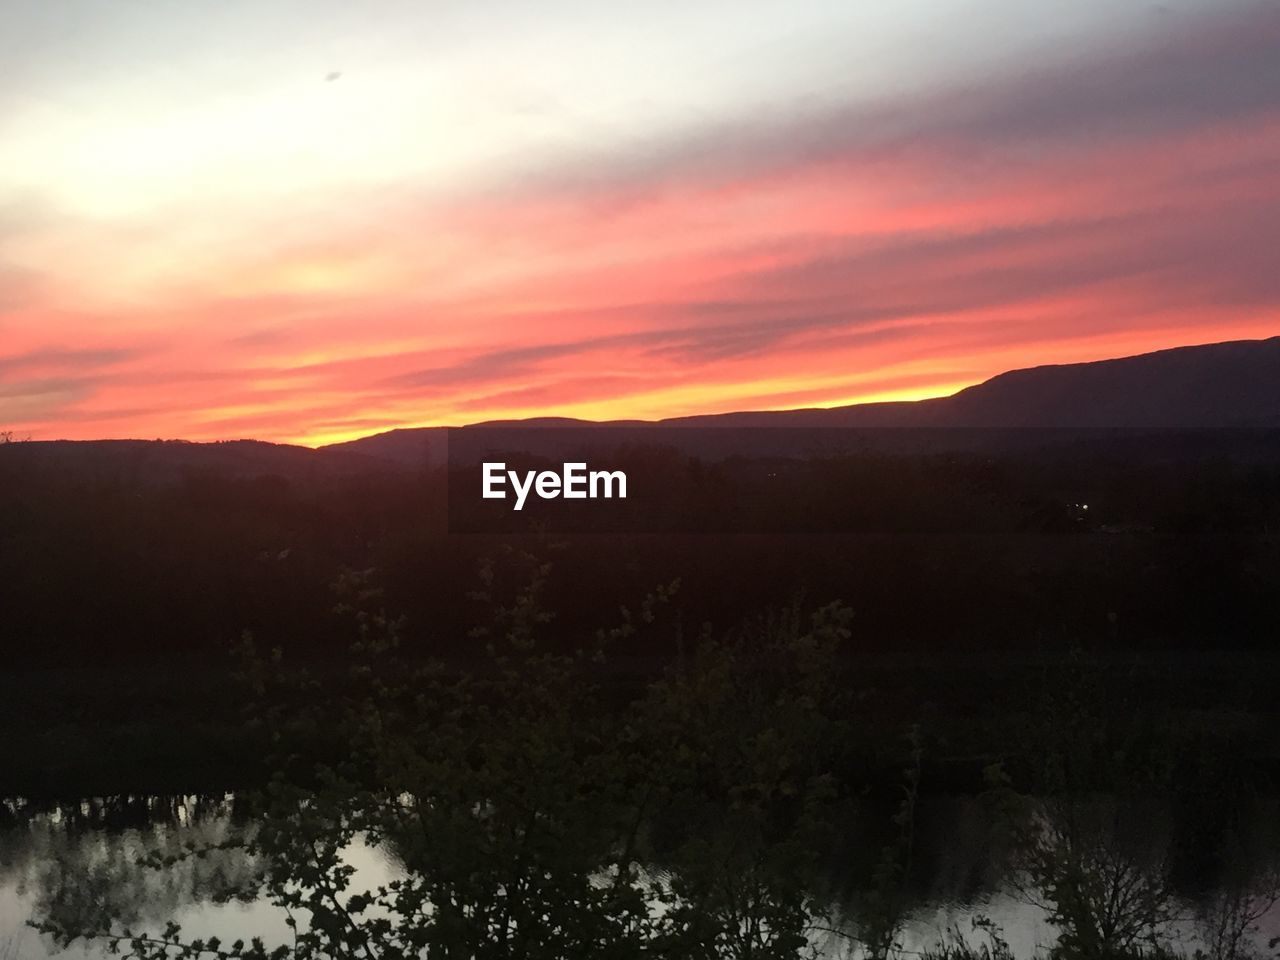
{"x":725,"y":744}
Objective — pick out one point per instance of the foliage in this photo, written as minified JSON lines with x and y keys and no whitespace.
{"x":538,"y":801}
{"x":884,"y":905}
{"x":956,"y":946}
{"x":530,"y":812}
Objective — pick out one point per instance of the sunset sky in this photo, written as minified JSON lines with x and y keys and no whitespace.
{"x":309,"y":221}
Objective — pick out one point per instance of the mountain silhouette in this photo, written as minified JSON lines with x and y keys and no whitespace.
{"x":163,"y":461}
{"x":1231,"y":384}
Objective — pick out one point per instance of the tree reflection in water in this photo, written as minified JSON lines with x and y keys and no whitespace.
{"x":532,"y":810}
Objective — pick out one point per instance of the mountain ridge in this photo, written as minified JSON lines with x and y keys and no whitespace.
{"x":1234,"y":383}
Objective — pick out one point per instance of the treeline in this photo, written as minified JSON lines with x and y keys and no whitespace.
{"x":1021,"y":550}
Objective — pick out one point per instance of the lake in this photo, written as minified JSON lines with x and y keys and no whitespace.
{"x":78,"y":859}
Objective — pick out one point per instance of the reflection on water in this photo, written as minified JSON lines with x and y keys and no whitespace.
{"x":78,"y":862}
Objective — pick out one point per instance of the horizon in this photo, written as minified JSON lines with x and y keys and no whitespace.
{"x":621,"y":420}
{"x":746,"y":478}
{"x":303,"y":224}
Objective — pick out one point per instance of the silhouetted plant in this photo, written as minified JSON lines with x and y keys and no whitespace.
{"x":1084,"y":846}
{"x":954,"y":945}
{"x":884,"y":905}
{"x":1228,"y":921}
{"x":528,"y":813}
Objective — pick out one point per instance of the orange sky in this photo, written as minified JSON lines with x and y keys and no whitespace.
{"x":226,"y":244}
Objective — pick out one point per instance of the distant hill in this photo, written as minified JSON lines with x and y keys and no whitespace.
{"x":1233,"y":384}
{"x":159,"y":461}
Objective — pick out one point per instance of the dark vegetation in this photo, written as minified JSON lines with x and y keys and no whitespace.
{"x":969,"y":575}
{"x":744,"y":800}
{"x":721,"y":742}
{"x":1135,"y":549}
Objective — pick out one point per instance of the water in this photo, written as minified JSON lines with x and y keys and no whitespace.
{"x":78,"y":859}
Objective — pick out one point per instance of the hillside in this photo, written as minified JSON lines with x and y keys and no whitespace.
{"x":1233,"y":384}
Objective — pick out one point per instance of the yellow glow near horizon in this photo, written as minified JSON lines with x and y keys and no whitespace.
{"x":302,"y":220}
